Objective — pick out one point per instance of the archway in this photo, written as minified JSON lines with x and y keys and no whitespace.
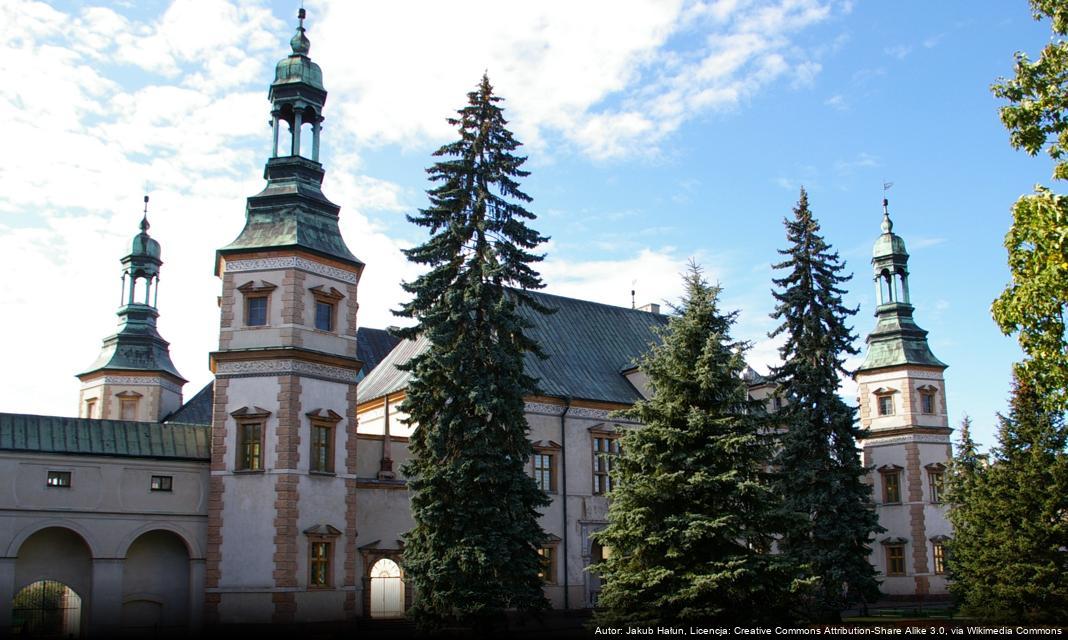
{"x":53,"y":572}
{"x":155,"y":584}
{"x":46,"y":609}
{"x":387,"y":590}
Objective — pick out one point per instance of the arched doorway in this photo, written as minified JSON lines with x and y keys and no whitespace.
{"x":46,"y":609}
{"x":387,"y":590}
{"x":155,"y":584}
{"x":53,"y":572}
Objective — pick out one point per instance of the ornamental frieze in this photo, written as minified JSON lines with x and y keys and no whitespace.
{"x":291,"y":262}
{"x":248,"y":368}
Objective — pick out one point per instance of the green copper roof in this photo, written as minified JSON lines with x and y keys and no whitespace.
{"x":897,"y":340}
{"x":82,"y":436}
{"x":588,"y":345}
{"x":137,"y":346}
{"x":292,"y":212}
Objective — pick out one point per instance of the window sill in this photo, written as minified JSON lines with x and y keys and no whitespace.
{"x":248,"y":472}
{"x":326,"y":474}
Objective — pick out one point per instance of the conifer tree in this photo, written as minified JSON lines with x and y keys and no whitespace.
{"x":473,"y":551}
{"x":1008,"y":560}
{"x":692,"y":515}
{"x":820,"y":471}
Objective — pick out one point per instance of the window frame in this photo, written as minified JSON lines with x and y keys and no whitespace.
{"x":59,"y":479}
{"x":245,"y":418}
{"x":549,"y":450}
{"x":602,"y":474}
{"x":936,"y":481}
{"x":331,"y":297}
{"x":251,"y":291}
{"x":326,"y":535}
{"x":90,"y":407}
{"x":317,"y":420}
{"x":166,"y":484}
{"x":548,"y":553}
{"x":884,"y":404}
{"x":938,"y":557}
{"x":886,"y":473}
{"x":895,"y":552}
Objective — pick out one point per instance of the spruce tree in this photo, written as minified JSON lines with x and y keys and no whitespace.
{"x":821,"y":475}
{"x":1008,"y":560}
{"x":692,"y":515}
{"x":473,"y":552}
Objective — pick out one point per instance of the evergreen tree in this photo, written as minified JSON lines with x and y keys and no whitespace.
{"x":821,"y":475}
{"x":473,"y":551}
{"x":693,"y":515}
{"x":1008,"y":560}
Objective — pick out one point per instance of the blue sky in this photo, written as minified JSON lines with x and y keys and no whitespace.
{"x":656,"y":131}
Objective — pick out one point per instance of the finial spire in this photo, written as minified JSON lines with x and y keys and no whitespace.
{"x":300,"y":43}
{"x":144,"y":218}
{"x":887,"y":225}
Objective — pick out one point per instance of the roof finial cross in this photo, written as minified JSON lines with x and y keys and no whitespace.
{"x":887,"y":224}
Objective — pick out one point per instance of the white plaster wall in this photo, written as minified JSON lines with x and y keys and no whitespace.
{"x":247,"y":531}
{"x":255,"y":392}
{"x":156,"y":570}
{"x":320,"y":606}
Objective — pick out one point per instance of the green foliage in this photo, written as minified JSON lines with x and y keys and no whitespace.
{"x":1010,"y":518}
{"x":1035,"y":303}
{"x":1038,"y":94}
{"x":693,"y":513}
{"x":473,"y":551}
{"x":821,"y":475}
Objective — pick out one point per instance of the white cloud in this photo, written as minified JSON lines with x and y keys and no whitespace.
{"x":899,"y":51}
{"x":837,"y":102}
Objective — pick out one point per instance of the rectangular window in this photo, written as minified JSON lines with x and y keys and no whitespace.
{"x":161,"y":483}
{"x":256,"y":311}
{"x":895,"y":559}
{"x":937,"y":480}
{"x":605,"y":449}
{"x":939,"y":558}
{"x":891,"y":487}
{"x":543,"y":472}
{"x":886,"y":405}
{"x":59,"y":479}
{"x":320,"y":564}
{"x":249,"y":446}
{"x":322,"y":450}
{"x":548,"y":565}
{"x":324,"y":316}
{"x":128,"y":408}
{"x":90,"y":408}
{"x":927,"y":403}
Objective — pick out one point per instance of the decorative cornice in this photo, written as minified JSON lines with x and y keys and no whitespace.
{"x":902,"y":439}
{"x":543,"y":408}
{"x":292,"y":262}
{"x":137,"y":380}
{"x":256,"y":368}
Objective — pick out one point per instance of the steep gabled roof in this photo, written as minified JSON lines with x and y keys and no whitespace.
{"x":88,"y":437}
{"x":588,"y":344}
{"x":372,"y":345}
{"x":197,"y":410}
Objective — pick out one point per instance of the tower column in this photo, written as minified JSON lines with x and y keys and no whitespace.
{"x":296,"y":134}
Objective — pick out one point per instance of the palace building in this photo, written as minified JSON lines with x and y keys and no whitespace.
{"x":275,"y":494}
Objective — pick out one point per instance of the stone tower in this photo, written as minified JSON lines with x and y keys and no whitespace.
{"x":133,"y":378}
{"x":281,"y":508}
{"x":901,"y":393}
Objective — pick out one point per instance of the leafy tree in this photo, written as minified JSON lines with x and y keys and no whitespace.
{"x":693,"y":515}
{"x":1034,"y":303}
{"x":821,"y":475}
{"x":1008,"y":559}
{"x":473,"y":551}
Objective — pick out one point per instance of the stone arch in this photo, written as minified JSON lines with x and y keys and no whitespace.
{"x":58,"y":559}
{"x":23,"y":535}
{"x":156,"y":583}
{"x":190,"y":542}
{"x":47,"y":608}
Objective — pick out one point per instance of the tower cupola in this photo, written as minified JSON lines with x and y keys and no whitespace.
{"x":896,"y":339}
{"x":133,"y":378}
{"x":297,"y":96}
